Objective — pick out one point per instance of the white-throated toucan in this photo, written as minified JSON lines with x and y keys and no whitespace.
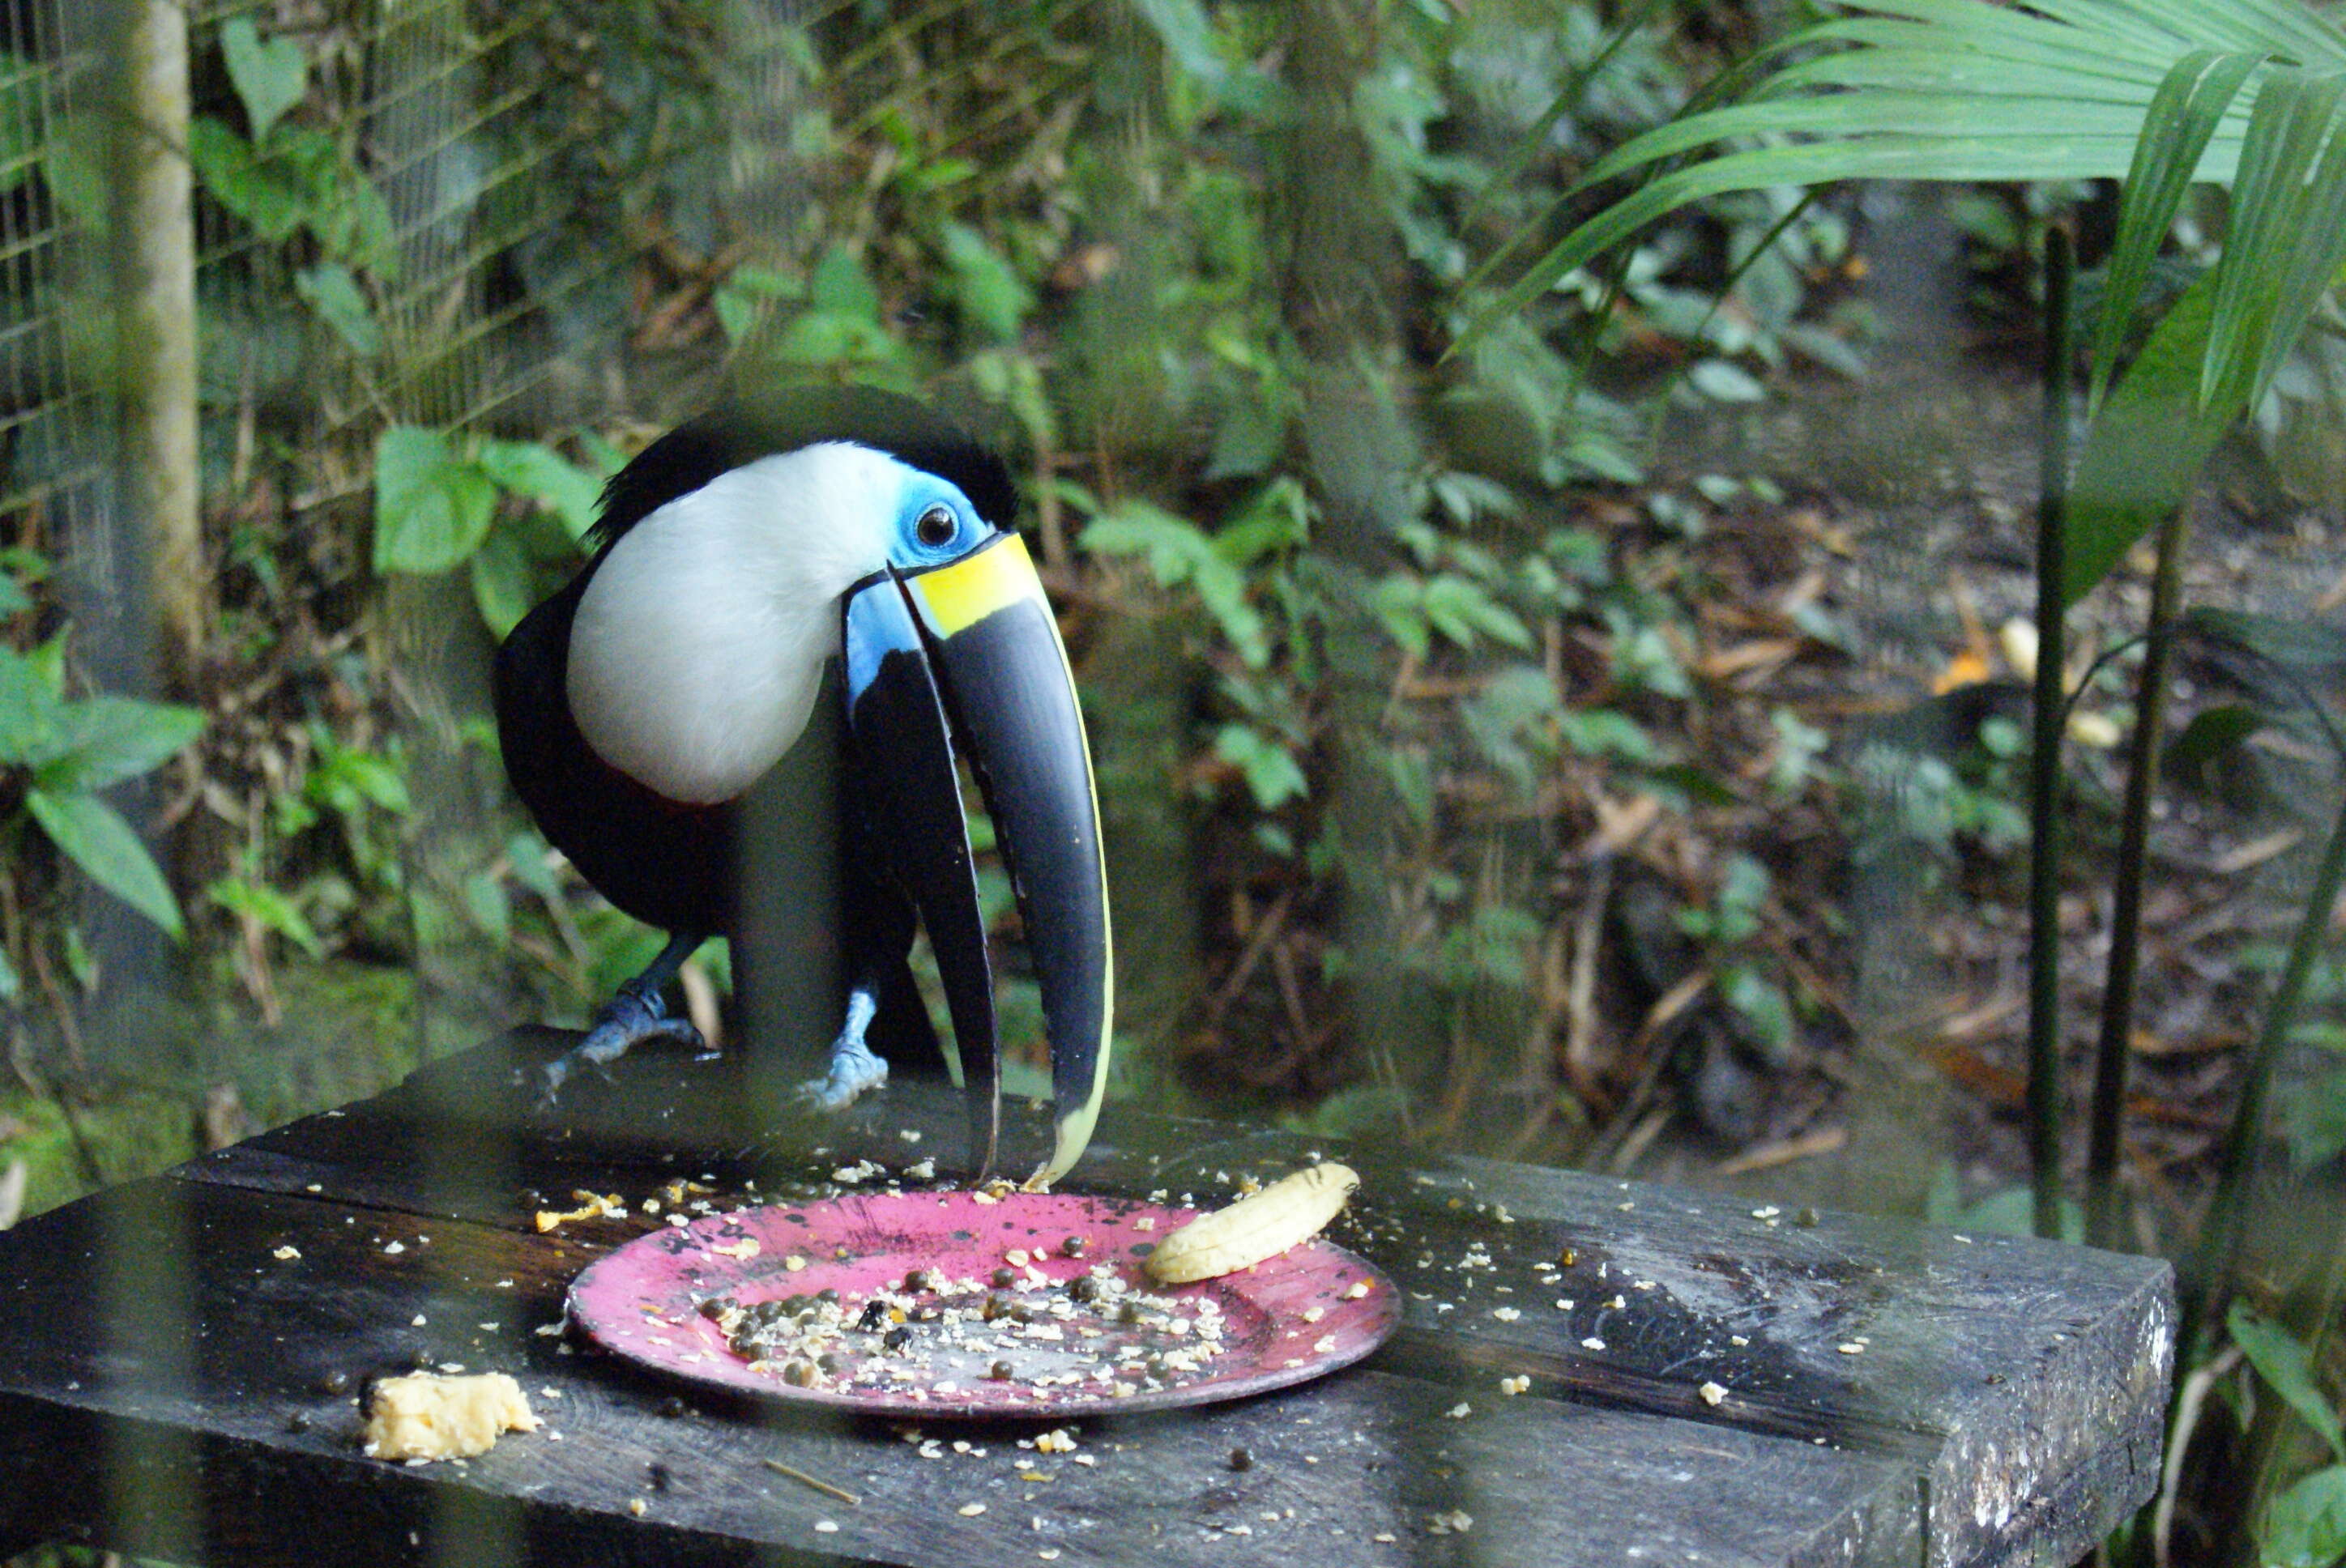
{"x":734,"y":557}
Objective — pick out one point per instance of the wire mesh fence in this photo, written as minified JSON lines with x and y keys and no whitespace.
{"x":434,"y":306}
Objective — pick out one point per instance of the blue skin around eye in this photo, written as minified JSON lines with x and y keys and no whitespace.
{"x":922,"y":491}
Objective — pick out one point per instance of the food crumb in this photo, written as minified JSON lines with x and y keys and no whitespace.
{"x":1592,"y":1343}
{"x":1737,"y":1339}
{"x":1850,"y":1349}
{"x":393,"y":1248}
{"x":1506,"y":1314}
{"x":1459,"y":1412}
{"x":422,"y":1418}
{"x":1146,"y":1222}
{"x":416,"y":1321}
{"x":637,"y":1506}
{"x":826,"y":1527}
{"x":286,"y":1254}
{"x":1711,"y":1393}
{"x":1049,"y":1555}
{"x":972,"y":1509}
{"x":1457,"y":1521}
{"x":1514,"y":1385}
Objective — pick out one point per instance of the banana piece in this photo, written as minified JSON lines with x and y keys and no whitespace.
{"x":1253,"y":1228}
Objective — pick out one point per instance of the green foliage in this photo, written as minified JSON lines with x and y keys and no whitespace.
{"x":2285,"y":1362}
{"x":2305,"y":1526}
{"x":442,"y":503}
{"x":67,"y":751}
{"x":269,"y":75}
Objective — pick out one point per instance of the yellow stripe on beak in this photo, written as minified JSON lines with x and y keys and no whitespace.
{"x":959,"y":595}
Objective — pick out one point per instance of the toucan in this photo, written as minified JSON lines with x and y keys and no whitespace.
{"x":733,"y":560}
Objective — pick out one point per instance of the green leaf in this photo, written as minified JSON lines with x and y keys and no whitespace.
{"x":840,"y":287}
{"x":32,"y":713}
{"x":1722,"y":380}
{"x":2288,"y":234}
{"x":269,"y":908}
{"x":1179,"y":552}
{"x":2192,"y":98}
{"x":2013,"y":1212}
{"x":2313,"y":1118}
{"x":1459,"y":608}
{"x":93,"y":835}
{"x":2305,"y":1526}
{"x":503,"y":589}
{"x":991,"y":296}
{"x":535,"y":469}
{"x":2286,"y":1365}
{"x":2302,"y":645}
{"x":1398,"y":602}
{"x":269,"y":75}
{"x":263,"y":194}
{"x":1271,"y":772}
{"x":103,"y":740}
{"x":2205,"y":750}
{"x":2146,"y":445}
{"x":332,"y":290}
{"x":485,"y":902}
{"x":1517,"y":705}
{"x":432,"y":507}
{"x":1762,"y":1004}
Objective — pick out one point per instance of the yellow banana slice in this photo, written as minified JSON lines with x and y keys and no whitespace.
{"x":1253,"y":1228}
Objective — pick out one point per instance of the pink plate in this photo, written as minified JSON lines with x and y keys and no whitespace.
{"x":1048,"y":1352}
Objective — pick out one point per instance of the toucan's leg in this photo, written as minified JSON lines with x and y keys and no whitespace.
{"x":635,"y":1015}
{"x":878,"y":920}
{"x":855,"y":1068}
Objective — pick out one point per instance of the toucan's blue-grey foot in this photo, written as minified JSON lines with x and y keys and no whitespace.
{"x":855,"y":1068}
{"x":636,"y":1014}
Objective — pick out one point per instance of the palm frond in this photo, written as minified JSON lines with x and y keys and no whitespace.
{"x":2197,"y":94}
{"x":1948,"y":90}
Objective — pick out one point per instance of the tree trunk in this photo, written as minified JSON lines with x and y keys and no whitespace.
{"x":155,"y":279}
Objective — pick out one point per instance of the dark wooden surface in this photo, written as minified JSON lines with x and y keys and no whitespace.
{"x":170,"y":1387}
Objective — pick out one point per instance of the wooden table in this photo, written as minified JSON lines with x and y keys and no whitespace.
{"x":172,"y":1384}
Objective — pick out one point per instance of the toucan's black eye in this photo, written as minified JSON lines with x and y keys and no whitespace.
{"x":935,"y":527}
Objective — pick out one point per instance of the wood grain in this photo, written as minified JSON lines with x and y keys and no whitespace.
{"x":2000,"y":1400}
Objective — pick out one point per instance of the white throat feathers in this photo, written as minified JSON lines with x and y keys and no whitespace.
{"x":699,"y":643}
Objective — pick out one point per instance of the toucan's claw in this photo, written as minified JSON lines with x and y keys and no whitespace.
{"x":635,"y":1015}
{"x":855,"y":1068}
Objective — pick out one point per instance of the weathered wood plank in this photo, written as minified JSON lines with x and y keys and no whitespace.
{"x":1957,"y":1399}
{"x":1334,"y":1465}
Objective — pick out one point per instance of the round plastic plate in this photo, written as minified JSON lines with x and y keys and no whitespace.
{"x":1301,"y":1315}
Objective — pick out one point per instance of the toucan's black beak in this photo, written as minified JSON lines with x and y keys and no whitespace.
{"x":969,"y":651}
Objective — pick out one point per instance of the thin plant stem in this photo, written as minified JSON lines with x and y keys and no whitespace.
{"x":2105,"y":1217}
{"x":2045,"y":753}
{"x":2208,"y":1277}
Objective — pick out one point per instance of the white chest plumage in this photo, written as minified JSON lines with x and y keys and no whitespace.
{"x":699,"y":645}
